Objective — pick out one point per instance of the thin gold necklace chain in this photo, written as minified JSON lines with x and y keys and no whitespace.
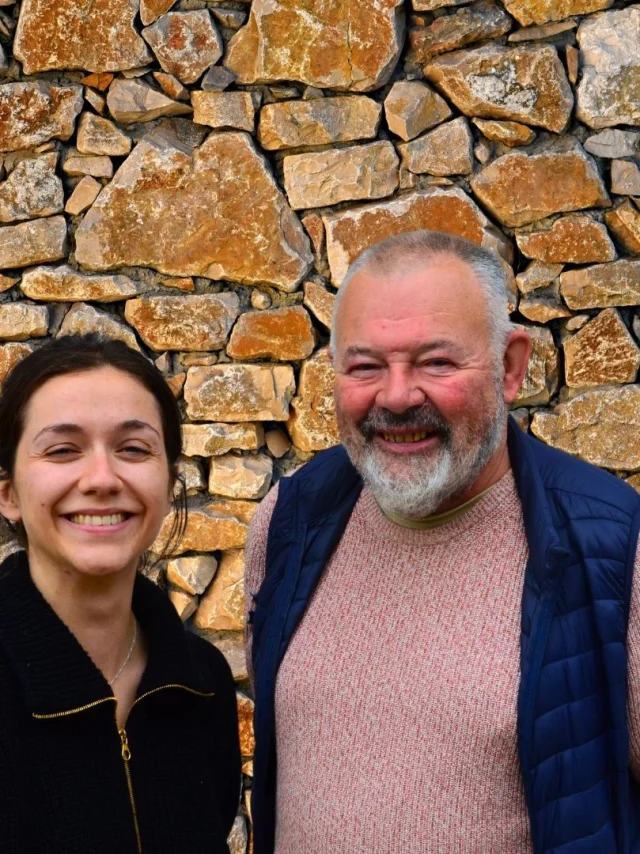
{"x":126,"y":661}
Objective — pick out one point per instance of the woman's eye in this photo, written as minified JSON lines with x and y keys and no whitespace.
{"x":135,"y":451}
{"x":60,"y":452}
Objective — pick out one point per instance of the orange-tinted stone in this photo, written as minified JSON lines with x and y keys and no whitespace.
{"x":32,"y":113}
{"x":575,"y":239}
{"x":279,"y":334}
{"x":601,"y":353}
{"x":313,"y":425}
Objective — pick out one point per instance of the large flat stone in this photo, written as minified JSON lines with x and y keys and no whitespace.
{"x":35,"y":242}
{"x":324,"y":178}
{"x":525,"y":83}
{"x":19,"y":321}
{"x":64,"y":284}
{"x":185,"y":43}
{"x":522,"y":187}
{"x":97,"y":35}
{"x":207,"y":531}
{"x":447,"y":150}
{"x":528,"y":12}
{"x":334,"y":44}
{"x":541,"y":380}
{"x":97,"y":135}
{"x":573,"y":239}
{"x":32,"y":113}
{"x":600,"y":426}
{"x":313,"y":425}
{"x":222,"y":606}
{"x":320,"y":302}
{"x":614,"y":284}
{"x":412,"y":107}
{"x":199,"y":322}
{"x":344,"y":118}
{"x":82,"y":319}
{"x":351,"y":231}
{"x":245,"y":477}
{"x":192,"y":574}
{"x":239,"y":392}
{"x":212,"y":440}
{"x":215,"y":211}
{"x":601,"y":353}
{"x":609,"y":90}
{"x":624,"y":224}
{"x":32,"y":190}
{"x":279,"y":334}
{"x":613,"y":142}
{"x":481,"y":20}
{"x":132,"y":101}
{"x":224,"y":109}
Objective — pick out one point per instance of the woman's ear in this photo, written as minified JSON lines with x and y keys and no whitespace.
{"x":9,"y":504}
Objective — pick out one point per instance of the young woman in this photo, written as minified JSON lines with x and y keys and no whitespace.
{"x":118,"y":729}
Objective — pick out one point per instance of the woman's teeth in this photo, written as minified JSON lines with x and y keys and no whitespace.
{"x":98,"y":521}
{"x":404,"y":437}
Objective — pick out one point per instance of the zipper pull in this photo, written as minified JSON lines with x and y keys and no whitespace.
{"x":126,"y":753}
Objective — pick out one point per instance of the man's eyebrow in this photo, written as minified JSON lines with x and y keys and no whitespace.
{"x":67,"y":427}
{"x":438,"y":344}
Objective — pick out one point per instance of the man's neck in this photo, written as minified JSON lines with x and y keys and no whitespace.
{"x":494,"y":471}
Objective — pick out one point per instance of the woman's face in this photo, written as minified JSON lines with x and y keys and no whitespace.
{"x":91,"y":482}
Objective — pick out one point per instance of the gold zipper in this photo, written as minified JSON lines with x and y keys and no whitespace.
{"x":74,"y":711}
{"x":126,"y":758}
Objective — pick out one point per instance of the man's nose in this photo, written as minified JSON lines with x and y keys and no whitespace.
{"x":399,"y":391}
{"x":99,"y":474}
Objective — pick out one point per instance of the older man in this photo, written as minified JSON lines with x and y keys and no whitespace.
{"x":439,"y":606}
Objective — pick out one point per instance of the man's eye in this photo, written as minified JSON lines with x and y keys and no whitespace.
{"x":363,"y":369}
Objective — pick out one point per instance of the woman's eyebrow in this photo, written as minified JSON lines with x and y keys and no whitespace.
{"x":136,"y":424}
{"x":67,"y":427}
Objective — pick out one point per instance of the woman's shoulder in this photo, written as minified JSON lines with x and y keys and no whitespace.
{"x":208,"y":657}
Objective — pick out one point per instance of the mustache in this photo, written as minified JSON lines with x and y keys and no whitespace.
{"x":419,"y":418}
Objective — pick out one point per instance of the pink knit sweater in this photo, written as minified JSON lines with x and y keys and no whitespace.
{"x":396,"y":701}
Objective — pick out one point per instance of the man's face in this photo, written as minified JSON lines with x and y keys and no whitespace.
{"x":419,"y":394}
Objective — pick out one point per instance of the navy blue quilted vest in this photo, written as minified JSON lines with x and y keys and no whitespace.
{"x":582,"y":526}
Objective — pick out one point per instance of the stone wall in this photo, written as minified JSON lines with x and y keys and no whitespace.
{"x":195,"y":176}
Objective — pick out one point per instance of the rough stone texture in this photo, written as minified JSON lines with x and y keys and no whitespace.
{"x":171,"y":86}
{"x":292,"y":124}
{"x":279,"y":334}
{"x":97,"y":35}
{"x":320,"y":302}
{"x":222,"y":607}
{"x":614,"y":143}
{"x":481,"y":20}
{"x":81,"y":319}
{"x":624,"y":224}
{"x":541,"y":380}
{"x":150,"y":10}
{"x":87,"y":164}
{"x":527,"y":84}
{"x":574,"y":239}
{"x":538,"y":274}
{"x":353,"y":230}
{"x":429,"y":5}
{"x":185,"y":43}
{"x":447,"y":150}
{"x":84,"y":195}
{"x":132,"y":101}
{"x":600,"y":426}
{"x":10,"y":355}
{"x":32,"y":190}
{"x":608,"y":93}
{"x":208,"y":440}
{"x":159,"y":212}
{"x":239,"y":836}
{"x":278,"y":444}
{"x":100,"y":136}
{"x":20,"y":321}
{"x":522,"y":187}
{"x":34,"y":112}
{"x":192,"y":474}
{"x":184,"y":604}
{"x":239,"y":393}
{"x":313,"y":425}
{"x":207,"y":531}
{"x":634,"y":481}
{"x":200,"y":322}
{"x":412,"y":107}
{"x":224,"y":110}
{"x":604,"y":285}
{"x":336,"y":44}
{"x":64,"y":284}
{"x":601,"y":353}
{"x":34,"y":242}
{"x":510,"y":134}
{"x":240,"y":477}
{"x":528,"y":12}
{"x":245,"y":721}
{"x":192,"y":574}
{"x":543,"y":32}
{"x":543,"y":306}
{"x":316,"y":180}
{"x":625,"y":175}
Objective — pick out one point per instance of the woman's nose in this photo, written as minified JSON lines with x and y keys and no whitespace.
{"x":99,"y":474}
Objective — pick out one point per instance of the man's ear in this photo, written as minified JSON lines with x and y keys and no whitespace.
{"x":9,"y":504}
{"x":516,"y":359}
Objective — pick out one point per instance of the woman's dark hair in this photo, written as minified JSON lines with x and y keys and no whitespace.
{"x":73,"y":354}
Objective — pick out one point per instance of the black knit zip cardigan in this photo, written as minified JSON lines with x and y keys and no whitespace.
{"x":68,"y":783}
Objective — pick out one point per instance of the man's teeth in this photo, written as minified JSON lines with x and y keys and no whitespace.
{"x":404,"y":437}
{"x":84,"y":519}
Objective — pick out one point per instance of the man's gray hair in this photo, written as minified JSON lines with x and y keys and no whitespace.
{"x":401,"y":254}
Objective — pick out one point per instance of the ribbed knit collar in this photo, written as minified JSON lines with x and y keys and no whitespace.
{"x":54,"y":670}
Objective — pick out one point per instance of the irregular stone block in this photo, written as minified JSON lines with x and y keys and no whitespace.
{"x":132,"y":101}
{"x":32,"y":190}
{"x":19,"y":321}
{"x":184,"y":604}
{"x":510,"y":134}
{"x":522,"y":187}
{"x":7,"y":282}
{"x":613,"y":143}
{"x":625,"y":176}
{"x":239,"y":393}
{"x":34,"y":242}
{"x":243,"y":510}
{"x":240,"y":477}
{"x":482,"y":20}
{"x":189,"y":470}
{"x":224,"y":110}
{"x":610,"y":60}
{"x":324,"y":178}
{"x":412,"y":107}
{"x":313,"y":425}
{"x":10,"y":355}
{"x":544,"y":32}
{"x":233,"y":650}
{"x":100,"y":136}
{"x":278,"y":443}
{"x":245,"y":725}
{"x":602,"y":286}
{"x":527,"y":84}
{"x":150,"y":10}
{"x":570,"y":240}
{"x":624,"y":223}
{"x":97,"y":35}
{"x":601,"y":353}
{"x":279,"y":334}
{"x":207,"y":531}
{"x":192,"y":574}
{"x":99,"y":81}
{"x":447,"y":150}
{"x":32,"y":113}
{"x":87,"y":164}
{"x":171,"y":86}
{"x":217,"y":79}
{"x":200,"y":322}
{"x":600,"y":426}
{"x":64,"y":284}
{"x":320,"y":302}
{"x":351,"y":231}
{"x":634,"y":481}
{"x":539,"y":274}
{"x":429,"y":5}
{"x":333,"y":44}
{"x":81,"y":319}
{"x":84,"y":195}
{"x":158,"y":212}
{"x":222,"y":606}
{"x":212,"y":440}
{"x":185,"y":43}
{"x":528,"y":12}
{"x":541,"y":380}
{"x":545,"y":305}
{"x":292,"y":124}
